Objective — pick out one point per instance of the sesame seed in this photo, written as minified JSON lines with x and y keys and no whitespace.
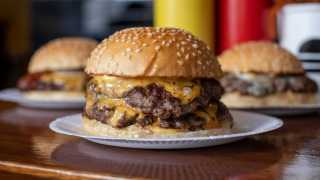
{"x":186,"y":91}
{"x":178,"y":54}
{"x":144,"y":45}
{"x":163,"y":43}
{"x":199,"y":62}
{"x":187,"y":56}
{"x":195,"y":46}
{"x":128,"y":49}
{"x":182,"y":49}
{"x":183,"y":42}
{"x":137,"y":50}
{"x":199,"y":52}
{"x":180,"y":62}
{"x":167,"y":45}
{"x":173,"y":30}
{"x":157,"y":48}
{"x":117,"y":40}
{"x":193,"y":54}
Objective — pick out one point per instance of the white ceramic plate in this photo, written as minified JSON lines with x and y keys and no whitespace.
{"x":14,"y":95}
{"x":282,"y":111}
{"x":245,"y":124}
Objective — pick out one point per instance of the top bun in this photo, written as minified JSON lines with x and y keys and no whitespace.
{"x":260,"y":57}
{"x":61,"y":54}
{"x":153,"y":52}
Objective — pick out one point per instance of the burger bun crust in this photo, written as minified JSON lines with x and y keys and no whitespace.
{"x":73,"y":96}
{"x":153,"y":52}
{"x":260,"y":57}
{"x":95,"y":127}
{"x":62,"y":54}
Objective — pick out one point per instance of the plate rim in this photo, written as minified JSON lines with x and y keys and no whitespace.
{"x":18,"y":98}
{"x":277,"y":124}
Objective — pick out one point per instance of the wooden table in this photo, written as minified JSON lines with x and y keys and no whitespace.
{"x":29,"y":150}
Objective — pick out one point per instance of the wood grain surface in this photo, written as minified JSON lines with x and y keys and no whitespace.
{"x":29,"y":150}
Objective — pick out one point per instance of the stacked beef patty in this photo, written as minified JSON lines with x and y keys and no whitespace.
{"x":152,"y":103}
{"x":263,"y":84}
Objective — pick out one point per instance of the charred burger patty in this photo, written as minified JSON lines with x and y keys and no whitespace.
{"x":177,"y":104}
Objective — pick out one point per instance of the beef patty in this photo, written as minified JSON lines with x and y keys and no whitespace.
{"x":66,"y":80}
{"x":33,"y":82}
{"x":294,"y":83}
{"x":157,"y":103}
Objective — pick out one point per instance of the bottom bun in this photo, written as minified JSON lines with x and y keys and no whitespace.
{"x":54,"y":95}
{"x":286,"y":99}
{"x":95,"y":127}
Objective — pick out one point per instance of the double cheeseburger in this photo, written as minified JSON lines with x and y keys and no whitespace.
{"x":55,"y":71}
{"x":154,"y":82}
{"x":260,"y":74}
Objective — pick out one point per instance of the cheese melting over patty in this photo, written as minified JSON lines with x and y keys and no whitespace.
{"x":184,"y":90}
{"x":73,"y":80}
{"x":108,"y":92}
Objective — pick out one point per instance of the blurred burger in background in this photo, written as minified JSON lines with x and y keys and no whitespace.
{"x":154,"y":82}
{"x":261,"y":73}
{"x":55,"y":71}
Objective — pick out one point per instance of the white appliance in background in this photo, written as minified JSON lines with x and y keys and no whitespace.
{"x":299,"y":32}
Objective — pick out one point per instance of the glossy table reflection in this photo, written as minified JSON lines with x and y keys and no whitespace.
{"x":28,"y":147}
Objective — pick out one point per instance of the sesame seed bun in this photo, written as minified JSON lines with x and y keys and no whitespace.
{"x":150,"y":52}
{"x":62,"y":54}
{"x":285,"y":99}
{"x":260,"y":57}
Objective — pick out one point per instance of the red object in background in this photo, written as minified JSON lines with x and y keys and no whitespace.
{"x":241,"y":21}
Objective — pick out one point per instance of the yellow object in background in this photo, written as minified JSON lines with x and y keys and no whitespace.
{"x":195,"y":16}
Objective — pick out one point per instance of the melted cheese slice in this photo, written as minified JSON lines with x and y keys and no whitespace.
{"x":186,"y":91}
{"x":121,"y":109}
{"x":72,"y":81}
